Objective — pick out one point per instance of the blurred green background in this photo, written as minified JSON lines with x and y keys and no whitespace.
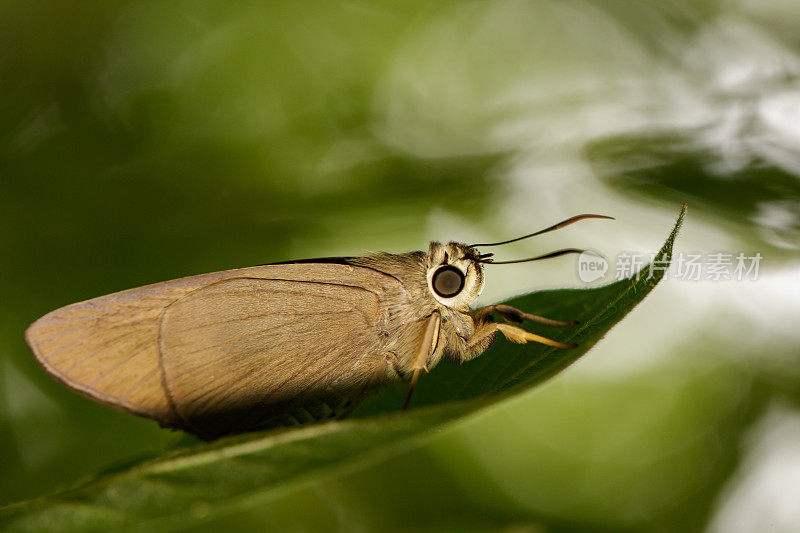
{"x":143,"y":141}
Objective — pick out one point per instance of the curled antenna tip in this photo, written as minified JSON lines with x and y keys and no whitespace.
{"x":560,"y":225}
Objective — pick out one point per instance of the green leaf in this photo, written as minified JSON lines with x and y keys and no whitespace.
{"x":208,"y":480}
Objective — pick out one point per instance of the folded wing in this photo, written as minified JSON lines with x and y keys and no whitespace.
{"x":243,"y":350}
{"x":188,"y":349}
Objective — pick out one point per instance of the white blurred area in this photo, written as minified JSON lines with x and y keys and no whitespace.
{"x":541,"y":81}
{"x":764,"y":494}
{"x":547,"y":85}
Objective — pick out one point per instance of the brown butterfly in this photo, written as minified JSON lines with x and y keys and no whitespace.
{"x":283,"y":343}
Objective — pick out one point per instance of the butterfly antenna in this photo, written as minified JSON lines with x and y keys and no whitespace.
{"x":554,"y":227}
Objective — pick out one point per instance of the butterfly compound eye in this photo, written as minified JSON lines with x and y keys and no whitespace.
{"x":447,"y":281}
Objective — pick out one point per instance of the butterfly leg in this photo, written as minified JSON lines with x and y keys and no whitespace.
{"x":512,"y":314}
{"x":520,"y":336}
{"x":513,"y":333}
{"x":428,"y":345}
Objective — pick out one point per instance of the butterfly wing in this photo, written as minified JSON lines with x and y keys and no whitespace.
{"x":212,"y":353}
{"x":243,"y":349}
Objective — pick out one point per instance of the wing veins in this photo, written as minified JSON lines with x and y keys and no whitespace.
{"x":106,"y":344}
{"x":139,"y":382}
{"x":140,"y":348}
